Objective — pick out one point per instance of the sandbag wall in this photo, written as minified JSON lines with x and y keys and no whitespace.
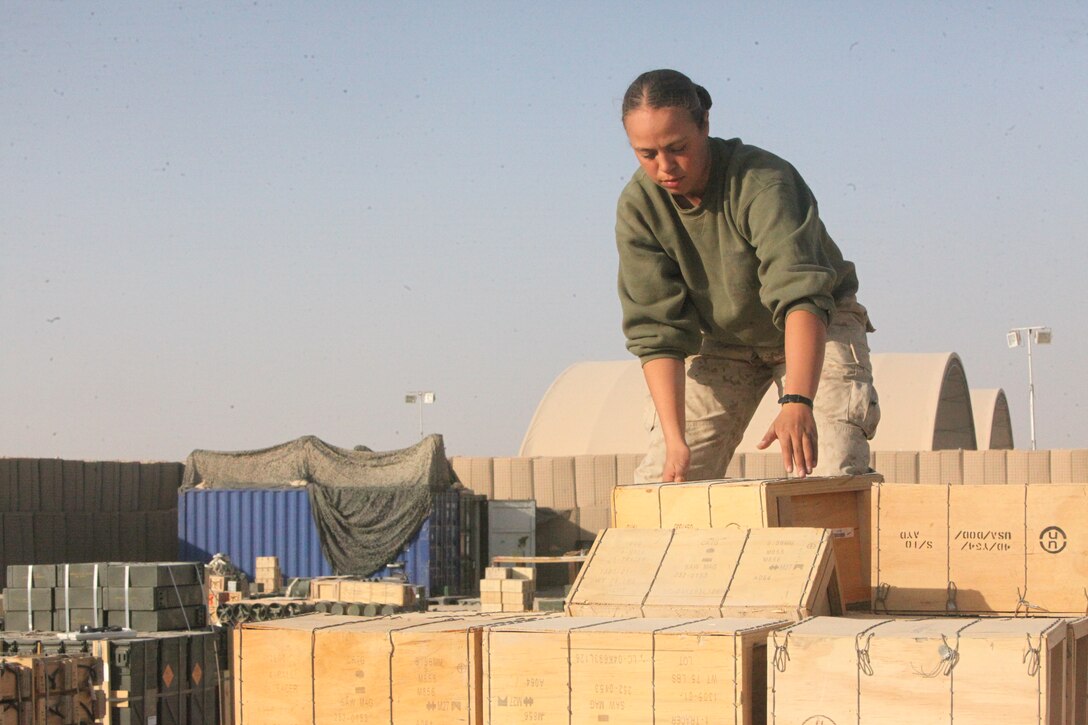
{"x":54,"y":511}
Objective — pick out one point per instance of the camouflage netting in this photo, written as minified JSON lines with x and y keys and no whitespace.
{"x":367,"y":505}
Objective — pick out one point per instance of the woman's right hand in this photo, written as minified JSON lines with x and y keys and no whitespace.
{"x":677,"y":460}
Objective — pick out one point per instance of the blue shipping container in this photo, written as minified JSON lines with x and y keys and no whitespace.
{"x":247,"y":523}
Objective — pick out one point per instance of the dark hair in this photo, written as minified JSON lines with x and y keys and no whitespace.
{"x":667,"y":89}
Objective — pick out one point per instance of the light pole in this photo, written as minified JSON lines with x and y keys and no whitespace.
{"x":1042,"y":336}
{"x":420,"y":398}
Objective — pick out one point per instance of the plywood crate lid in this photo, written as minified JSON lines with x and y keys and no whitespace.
{"x":551,"y":623}
{"x":695,"y":573}
{"x":618,"y":572}
{"x":786,"y":573}
{"x":727,"y":626}
{"x":637,"y":625}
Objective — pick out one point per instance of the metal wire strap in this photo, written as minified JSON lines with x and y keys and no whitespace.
{"x":781,"y":651}
{"x":880,"y":603}
{"x":1032,"y":656}
{"x":862,"y":650}
{"x":177,"y":593}
{"x":950,"y":603}
{"x":1023,"y":606}
{"x":950,"y":656}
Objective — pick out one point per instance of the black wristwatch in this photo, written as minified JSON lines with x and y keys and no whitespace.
{"x":795,"y":399}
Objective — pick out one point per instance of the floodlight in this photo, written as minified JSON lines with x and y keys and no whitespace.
{"x":420,"y":398}
{"x":1041,"y":336}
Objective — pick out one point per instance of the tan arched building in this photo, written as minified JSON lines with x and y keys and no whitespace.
{"x":600,"y":408}
{"x":993,"y":425}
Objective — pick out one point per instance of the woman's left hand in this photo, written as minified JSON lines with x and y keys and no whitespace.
{"x":795,"y":430}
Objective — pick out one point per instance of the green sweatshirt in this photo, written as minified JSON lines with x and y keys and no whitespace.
{"x":730,"y":269}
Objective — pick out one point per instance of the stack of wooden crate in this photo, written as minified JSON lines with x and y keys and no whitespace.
{"x":421,"y":668}
{"x":166,"y":678}
{"x":268,"y":578}
{"x":225,"y":589}
{"x":37,"y":689}
{"x":600,"y":669}
{"x":508,"y":589}
{"x":355,"y":590}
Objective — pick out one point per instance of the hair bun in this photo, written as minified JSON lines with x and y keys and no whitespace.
{"x":704,"y":97}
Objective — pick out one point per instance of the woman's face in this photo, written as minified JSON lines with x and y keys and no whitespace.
{"x":672,"y":149}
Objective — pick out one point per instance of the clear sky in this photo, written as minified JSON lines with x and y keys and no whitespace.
{"x":225,"y":225}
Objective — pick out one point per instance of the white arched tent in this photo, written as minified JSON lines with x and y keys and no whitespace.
{"x":600,"y":408}
{"x":993,"y":425}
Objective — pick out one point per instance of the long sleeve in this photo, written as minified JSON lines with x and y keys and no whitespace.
{"x":783,"y":224}
{"x":659,"y":319}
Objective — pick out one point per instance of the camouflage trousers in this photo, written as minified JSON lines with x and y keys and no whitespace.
{"x":725,"y":384}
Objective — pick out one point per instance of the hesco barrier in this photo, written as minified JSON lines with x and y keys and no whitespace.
{"x":245,"y":524}
{"x":54,"y":511}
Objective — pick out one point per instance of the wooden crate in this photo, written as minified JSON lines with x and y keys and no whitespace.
{"x":919,"y":670}
{"x":656,"y":670}
{"x":910,"y":548}
{"x":839,"y":503}
{"x":712,"y":672}
{"x":981,"y":549}
{"x":416,"y":667}
{"x":1076,"y":650}
{"x":781,"y":573}
{"x":351,"y":670}
{"x":612,"y":672}
{"x":526,"y":670}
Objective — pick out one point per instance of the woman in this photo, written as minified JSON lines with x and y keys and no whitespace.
{"x":728,"y":280}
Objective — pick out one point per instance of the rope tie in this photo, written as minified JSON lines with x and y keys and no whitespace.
{"x":862,"y":650}
{"x":1032,"y":656}
{"x":880,"y":603}
{"x":781,"y":652}
{"x":950,"y":603}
